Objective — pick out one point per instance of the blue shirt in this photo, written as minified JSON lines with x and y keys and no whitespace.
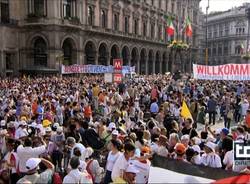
{"x":154,"y":108}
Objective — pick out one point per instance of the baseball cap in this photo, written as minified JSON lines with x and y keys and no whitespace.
{"x":32,"y":163}
{"x":180,"y":148}
{"x":115,"y":132}
{"x":46,"y":123}
{"x":111,"y":126}
{"x":131,"y":169}
{"x":48,"y":129}
{"x":225,"y":131}
{"x":59,"y":129}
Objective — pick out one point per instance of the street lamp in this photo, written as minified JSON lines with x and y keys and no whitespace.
{"x":248,"y":32}
{"x":206,"y":57}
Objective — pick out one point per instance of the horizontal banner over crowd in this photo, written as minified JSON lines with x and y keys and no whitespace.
{"x":74,"y":69}
{"x":222,"y":72}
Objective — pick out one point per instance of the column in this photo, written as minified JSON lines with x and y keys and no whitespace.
{"x":138,"y":65}
{"x":160,"y":63}
{"x":96,"y":58}
{"x":129,"y":60}
{"x":108,"y":59}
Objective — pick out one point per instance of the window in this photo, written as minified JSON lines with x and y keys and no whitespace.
{"x":220,"y":49}
{"x":136,"y":26}
{"x":159,"y":4}
{"x":238,"y":49}
{"x":159,"y":32}
{"x":116,"y":21}
{"x":220,"y":30}
{"x":90,"y":16}
{"x":183,"y":13}
{"x":214,"y":50}
{"x":172,"y":8}
{"x":209,"y":32}
{"x":40,"y":52}
{"x":5,"y":12}
{"x":226,"y":48}
{"x":126,"y":24}
{"x":215,"y":32}
{"x":226,"y":29}
{"x":152,"y":2}
{"x":144,"y":29}
{"x":8,"y":60}
{"x":67,"y":8}
{"x":39,"y":7}
{"x":152,"y":30}
{"x":104,"y":19}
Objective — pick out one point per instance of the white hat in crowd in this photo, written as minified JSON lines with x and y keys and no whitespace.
{"x":115,"y":132}
{"x":32,"y":163}
{"x":3,"y":122}
{"x":59,"y":129}
{"x":111,"y":126}
{"x":131,"y":169}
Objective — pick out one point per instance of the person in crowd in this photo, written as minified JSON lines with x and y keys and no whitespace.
{"x":75,"y":175}
{"x":122,"y":161}
{"x":32,"y":175}
{"x":211,"y":107}
{"x":210,"y":158}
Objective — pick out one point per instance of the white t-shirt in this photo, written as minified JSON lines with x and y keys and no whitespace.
{"x":119,"y":167}
{"x":75,"y":176}
{"x":228,"y":158}
{"x":143,"y":168}
{"x":111,"y":160}
{"x":211,"y":160}
{"x":25,"y":153}
{"x":154,"y":147}
{"x":21,"y":133}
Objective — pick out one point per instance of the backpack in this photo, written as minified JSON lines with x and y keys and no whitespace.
{"x":56,"y":178}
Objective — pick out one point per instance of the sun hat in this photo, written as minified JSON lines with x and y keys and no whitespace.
{"x":32,"y":163}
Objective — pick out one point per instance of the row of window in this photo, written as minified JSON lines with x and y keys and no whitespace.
{"x":220,"y":51}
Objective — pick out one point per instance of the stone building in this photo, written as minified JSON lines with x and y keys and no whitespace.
{"x":227,"y":31}
{"x":37,"y":36}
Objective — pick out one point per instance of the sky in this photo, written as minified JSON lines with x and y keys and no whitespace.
{"x":220,"y":5}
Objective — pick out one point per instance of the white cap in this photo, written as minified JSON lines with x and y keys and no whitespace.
{"x":48,"y":129}
{"x":115,"y":132}
{"x":217,"y":131}
{"x":32,"y":163}
{"x":3,"y":122}
{"x":23,"y":123}
{"x":131,"y":169}
{"x":33,"y":124}
{"x":111,"y":126}
{"x":88,"y":152}
{"x":210,"y":145}
{"x":196,"y":148}
{"x":59,"y":129}
{"x":196,"y":140}
{"x":55,"y":125}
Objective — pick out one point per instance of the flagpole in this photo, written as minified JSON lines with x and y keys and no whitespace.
{"x":206,"y":57}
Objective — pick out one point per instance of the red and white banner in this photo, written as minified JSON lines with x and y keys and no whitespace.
{"x":234,"y":72}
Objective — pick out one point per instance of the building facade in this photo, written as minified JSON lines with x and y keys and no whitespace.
{"x":40,"y":35}
{"x":227,"y":33}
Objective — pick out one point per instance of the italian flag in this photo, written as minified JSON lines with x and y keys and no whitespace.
{"x":189,"y":30}
{"x":170,"y":27}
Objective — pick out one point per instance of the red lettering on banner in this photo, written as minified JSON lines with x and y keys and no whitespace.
{"x":117,"y":64}
{"x":226,"y":69}
{"x":234,"y":69}
{"x":214,"y":71}
{"x":243,"y":69}
{"x":220,"y":70}
{"x":200,"y":69}
{"x":208,"y":70}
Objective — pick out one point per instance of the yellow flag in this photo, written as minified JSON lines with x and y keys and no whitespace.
{"x":185,"y":113}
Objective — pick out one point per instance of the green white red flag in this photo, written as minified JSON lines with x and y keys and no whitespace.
{"x":188,"y":30}
{"x":170,"y":27}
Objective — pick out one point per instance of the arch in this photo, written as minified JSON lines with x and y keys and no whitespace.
{"x":103,"y":54}
{"x":114,"y":53}
{"x":143,"y":61}
{"x":125,"y":55}
{"x":150,"y":62}
{"x":164,"y":62}
{"x":69,"y":53}
{"x":33,"y":38}
{"x":40,"y":52}
{"x":134,"y":58}
{"x":157,"y":62}
{"x":90,"y":53}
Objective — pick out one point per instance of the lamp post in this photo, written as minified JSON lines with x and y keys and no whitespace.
{"x":206,"y":57}
{"x":248,"y":32}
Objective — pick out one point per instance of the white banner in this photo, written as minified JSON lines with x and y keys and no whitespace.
{"x":235,"y":72}
{"x":159,"y":175}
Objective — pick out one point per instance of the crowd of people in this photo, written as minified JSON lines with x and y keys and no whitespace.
{"x":83,"y":130}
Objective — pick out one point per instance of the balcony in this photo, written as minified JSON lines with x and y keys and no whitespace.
{"x":71,"y":20}
{"x":8,"y":22}
{"x":35,"y":17}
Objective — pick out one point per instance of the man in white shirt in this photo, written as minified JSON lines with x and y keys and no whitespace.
{"x":26,"y":152}
{"x":21,"y":131}
{"x":210,"y":158}
{"x":71,"y":143}
{"x":75,"y":176}
{"x":122,"y":162}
